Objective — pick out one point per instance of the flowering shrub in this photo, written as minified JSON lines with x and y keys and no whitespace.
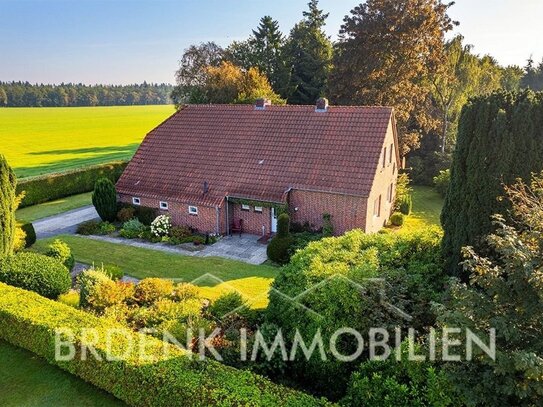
{"x":161,"y":225}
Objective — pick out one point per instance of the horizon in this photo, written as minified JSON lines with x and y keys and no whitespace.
{"x":125,"y":42}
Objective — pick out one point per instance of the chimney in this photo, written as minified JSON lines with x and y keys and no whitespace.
{"x":322,"y":105}
{"x":262,"y":103}
{"x":206,"y":187}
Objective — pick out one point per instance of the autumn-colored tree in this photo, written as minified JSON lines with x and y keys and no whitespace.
{"x":387,"y":53}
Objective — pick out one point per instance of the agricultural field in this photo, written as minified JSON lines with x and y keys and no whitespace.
{"x":44,"y":140}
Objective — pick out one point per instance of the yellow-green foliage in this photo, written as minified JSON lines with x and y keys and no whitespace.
{"x":46,"y":140}
{"x":150,"y":290}
{"x":162,"y":379}
{"x":70,"y":298}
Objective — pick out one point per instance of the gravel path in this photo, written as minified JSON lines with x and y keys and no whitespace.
{"x":65,"y":223}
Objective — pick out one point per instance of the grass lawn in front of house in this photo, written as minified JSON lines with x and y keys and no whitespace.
{"x":427,"y":205}
{"x":28,"y":380}
{"x":43,"y":210}
{"x":214,"y":275}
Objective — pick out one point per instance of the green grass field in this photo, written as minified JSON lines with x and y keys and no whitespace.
{"x":253,"y":282}
{"x":427,"y":205}
{"x":44,"y":140}
{"x":40,"y":211}
{"x":28,"y":380}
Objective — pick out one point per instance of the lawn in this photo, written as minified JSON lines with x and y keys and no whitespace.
{"x":44,"y":140}
{"x":213,"y":274}
{"x":427,"y":204}
{"x":35,"y":212}
{"x":28,"y":380}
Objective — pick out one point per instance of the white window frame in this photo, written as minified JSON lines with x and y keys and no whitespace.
{"x":245,"y":207}
{"x":259,"y":209}
{"x":391,"y":153}
{"x":377,"y":207}
{"x":136,"y":201}
{"x":163,"y":205}
{"x":193,"y":210}
{"x":385,"y":157}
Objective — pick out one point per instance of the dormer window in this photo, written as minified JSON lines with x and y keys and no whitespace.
{"x":193,"y":210}
{"x":164,"y":205}
{"x":136,"y":201}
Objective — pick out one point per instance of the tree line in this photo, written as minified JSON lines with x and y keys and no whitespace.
{"x":25,"y":94}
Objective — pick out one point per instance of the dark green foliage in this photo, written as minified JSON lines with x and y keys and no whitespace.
{"x":55,"y":186}
{"x":283,"y":225}
{"x":442,"y":181}
{"x":165,"y":377}
{"x":406,"y":204}
{"x":61,"y":251}
{"x":91,"y":227}
{"x":226,"y":304}
{"x":397,"y":219}
{"x":8,"y":206}
{"x":351,"y":297}
{"x":327,"y":226}
{"x":280,"y":248}
{"x":146,"y":215}
{"x":30,"y":237}
{"x":125,"y":214}
{"x":104,"y":199}
{"x":36,"y":272}
{"x":500,"y":138}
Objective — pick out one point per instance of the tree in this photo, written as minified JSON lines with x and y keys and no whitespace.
{"x":309,"y":54}
{"x":506,"y":293}
{"x":533,"y":77}
{"x":499,"y":139}
{"x":8,"y":205}
{"x":387,"y":52}
{"x":191,"y":74}
{"x":3,"y":97}
{"x":228,"y":83}
{"x":104,"y":199}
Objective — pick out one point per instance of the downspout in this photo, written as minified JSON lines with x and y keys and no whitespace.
{"x":218,"y":229}
{"x":227,"y":220}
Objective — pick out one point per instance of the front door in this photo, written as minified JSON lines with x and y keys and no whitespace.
{"x":273,"y":220}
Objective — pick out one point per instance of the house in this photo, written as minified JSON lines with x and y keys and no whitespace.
{"x":209,"y":166}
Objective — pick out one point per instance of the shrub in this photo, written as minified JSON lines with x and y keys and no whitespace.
{"x":91,"y":227}
{"x":442,"y":181}
{"x":19,"y":239}
{"x":30,"y":238}
{"x":132,"y":229}
{"x":406,"y":203}
{"x":160,"y":227}
{"x":125,"y":214}
{"x":104,"y":199}
{"x":106,"y":293}
{"x":327,"y":227}
{"x":283,"y":224}
{"x":112,"y":271}
{"x":55,"y":186}
{"x":198,"y":240}
{"x":86,"y":281}
{"x":106,"y":228}
{"x":70,"y":298}
{"x":180,"y":232}
{"x":150,"y":290}
{"x":185,"y":291}
{"x":165,"y":377}
{"x":397,"y":219}
{"x":226,"y":304}
{"x":62,"y":252}
{"x":146,"y":215}
{"x":36,"y":272}
{"x":8,"y":206}
{"x":280,"y":248}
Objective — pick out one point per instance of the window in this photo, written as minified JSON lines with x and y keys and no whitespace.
{"x":193,"y":210}
{"x":377,"y":207}
{"x":390,"y":193}
{"x":258,"y":209}
{"x":385,"y":158}
{"x":164,"y":205}
{"x":391,"y":153}
{"x":136,"y":201}
{"x":245,"y":207}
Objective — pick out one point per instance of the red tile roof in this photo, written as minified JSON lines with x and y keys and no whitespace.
{"x":258,"y":154}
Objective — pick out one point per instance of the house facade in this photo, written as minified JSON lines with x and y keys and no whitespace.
{"x":210,"y":166}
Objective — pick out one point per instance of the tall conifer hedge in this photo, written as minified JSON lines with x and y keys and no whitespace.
{"x":8,"y":205}
{"x":500,"y":138}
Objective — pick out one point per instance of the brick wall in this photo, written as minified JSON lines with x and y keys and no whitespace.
{"x":205,"y":221}
{"x":348,"y":212}
{"x":252,"y":221}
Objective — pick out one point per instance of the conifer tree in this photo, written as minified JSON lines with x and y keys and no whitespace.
{"x":8,"y":206}
{"x":104,"y":199}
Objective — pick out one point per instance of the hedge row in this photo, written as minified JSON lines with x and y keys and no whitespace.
{"x":29,"y":321}
{"x":55,"y":186}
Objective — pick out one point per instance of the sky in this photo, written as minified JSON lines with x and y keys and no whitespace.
{"x":126,"y":41}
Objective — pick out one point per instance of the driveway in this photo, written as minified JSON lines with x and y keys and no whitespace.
{"x":65,"y":223}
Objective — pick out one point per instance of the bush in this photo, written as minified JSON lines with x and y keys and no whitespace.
{"x":55,"y":186}
{"x":406,"y":203}
{"x":112,"y":271}
{"x":166,"y":377}
{"x":30,"y":238}
{"x":150,"y":290}
{"x":19,"y":239}
{"x":70,"y":298}
{"x":280,"y":248}
{"x":397,"y":219}
{"x":104,"y":199}
{"x":36,"y":272}
{"x":226,"y":304}
{"x":442,"y":181}
{"x":106,"y":228}
{"x":86,"y":281}
{"x":106,"y":293}
{"x":180,"y":232}
{"x":8,"y":205}
{"x":161,"y":226}
{"x":327,"y":227}
{"x":62,"y":252}
{"x":283,"y":224}
{"x":185,"y":291}
{"x":146,"y":215}
{"x":132,"y":229}
{"x":91,"y":227}
{"x":125,"y":214}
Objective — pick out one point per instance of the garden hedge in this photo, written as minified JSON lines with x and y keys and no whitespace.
{"x":162,"y":380}
{"x":55,"y":186}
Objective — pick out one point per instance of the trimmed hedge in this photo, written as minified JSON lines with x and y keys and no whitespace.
{"x":55,"y":186}
{"x":171,"y":379}
{"x":36,"y":272}
{"x":30,"y":232}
